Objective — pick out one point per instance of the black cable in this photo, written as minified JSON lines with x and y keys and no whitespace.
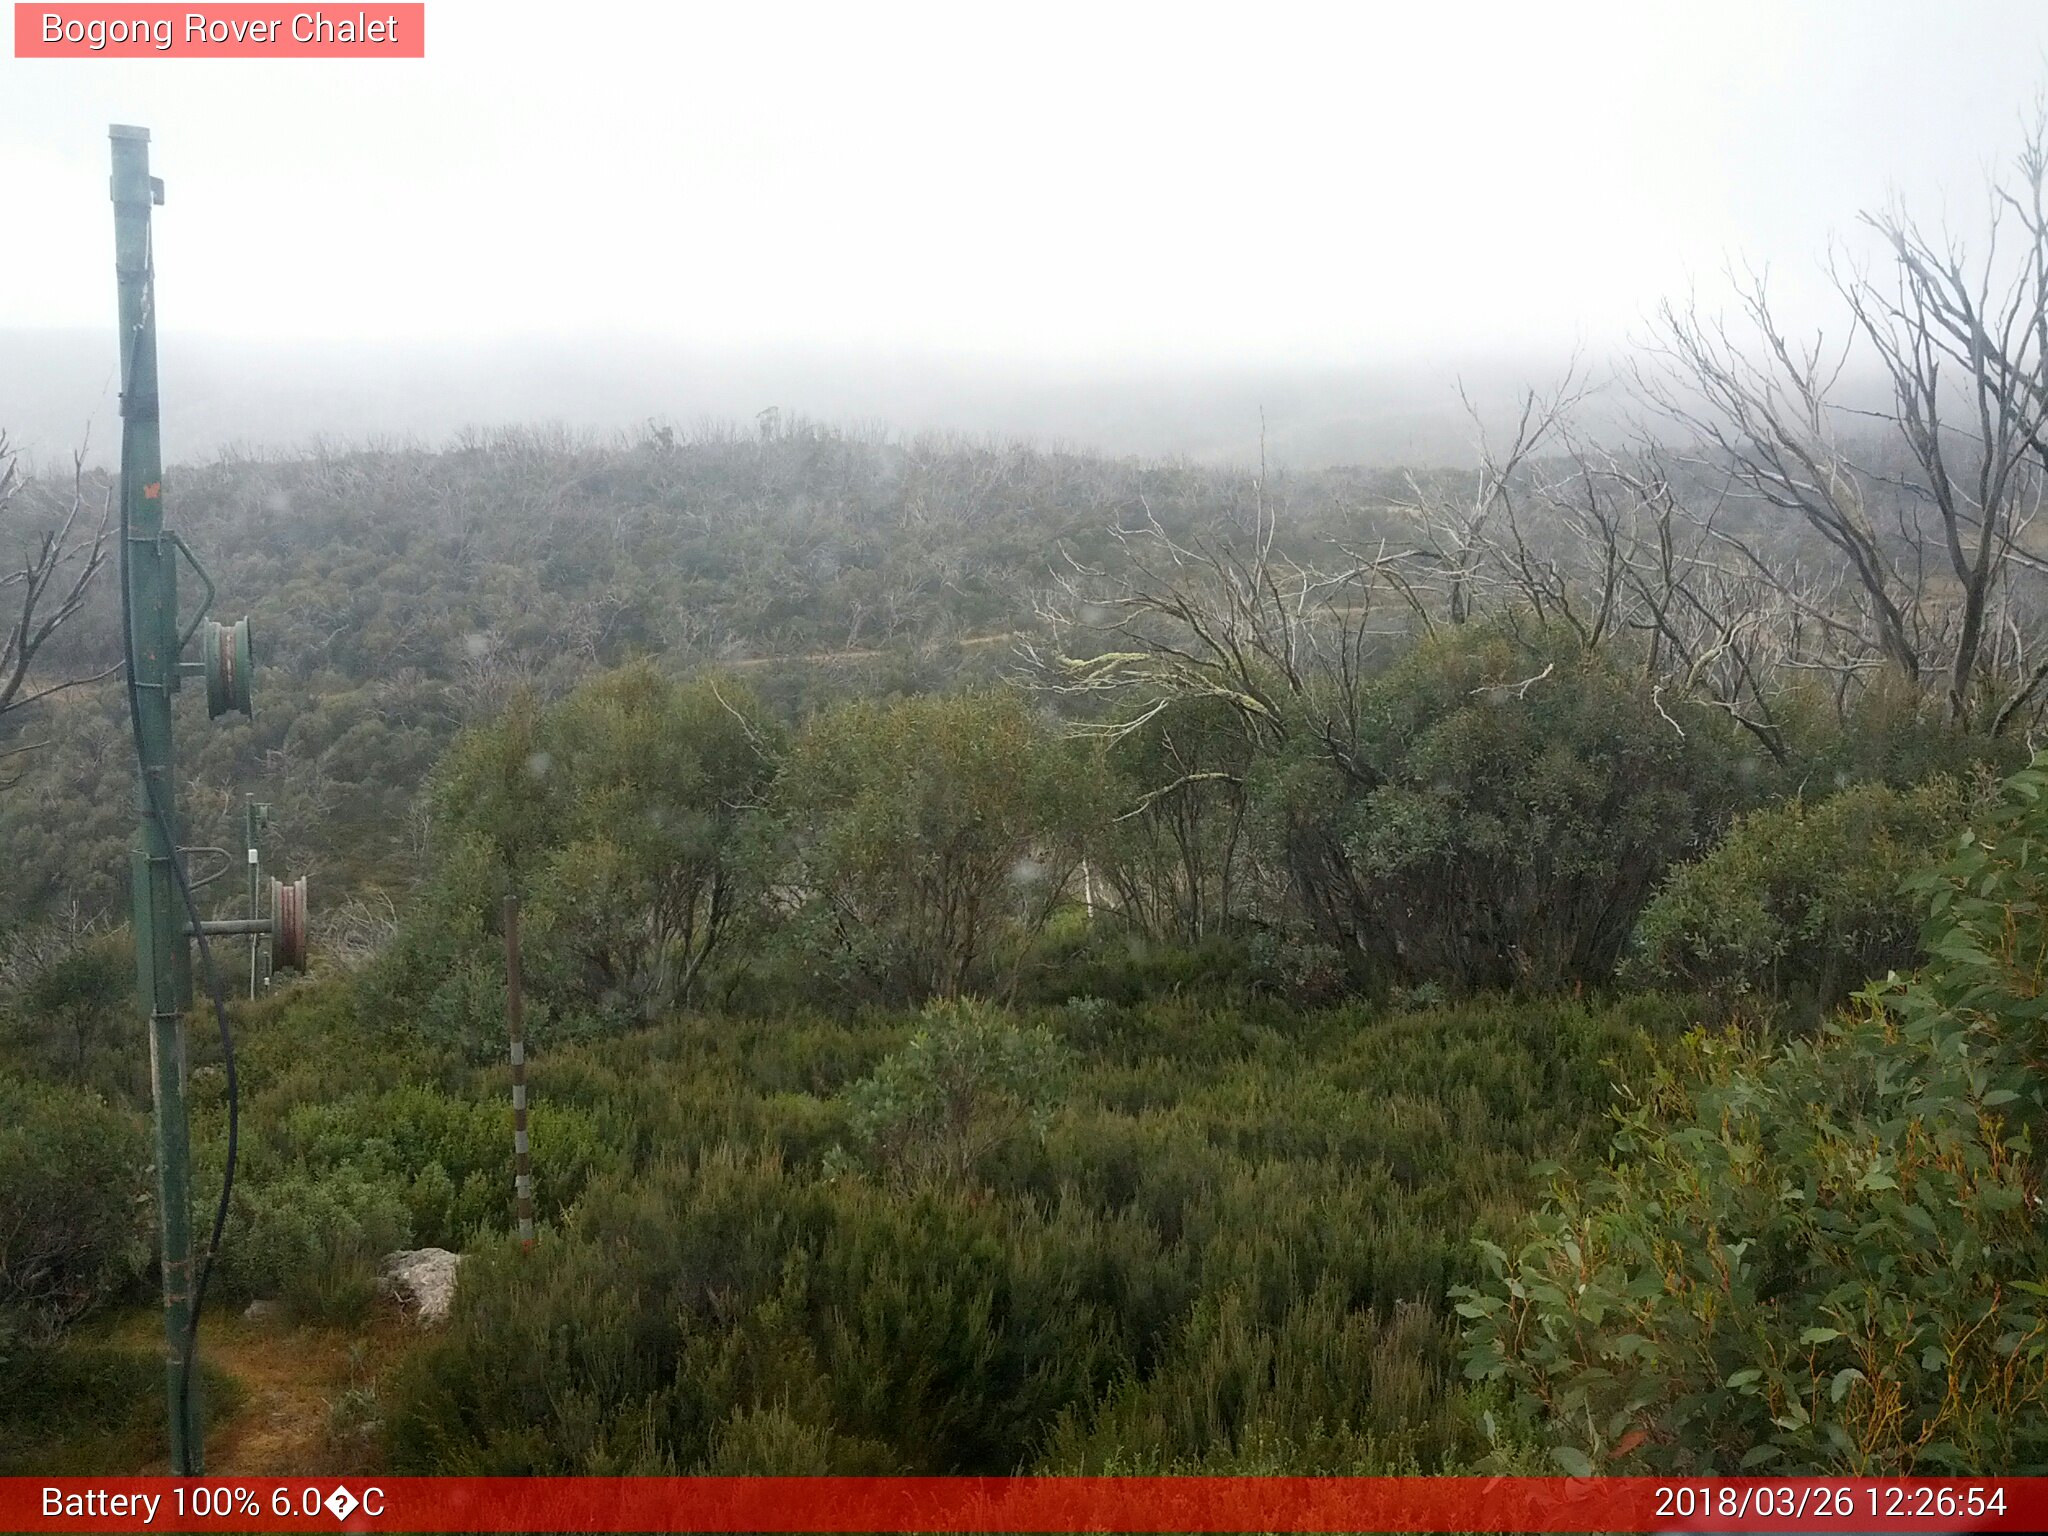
{"x":179,"y":873}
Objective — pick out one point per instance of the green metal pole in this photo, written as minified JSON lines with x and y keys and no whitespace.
{"x":163,"y":963}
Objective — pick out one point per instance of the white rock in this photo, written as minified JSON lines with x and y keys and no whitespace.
{"x":423,"y":1279}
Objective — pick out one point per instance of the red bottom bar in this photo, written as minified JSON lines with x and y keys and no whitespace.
{"x":1022,"y":1504}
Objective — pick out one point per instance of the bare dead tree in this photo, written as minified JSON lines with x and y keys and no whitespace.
{"x":1462,"y":519}
{"x":1965,"y":343}
{"x":1793,"y":535}
{"x":1647,"y":563}
{"x":46,"y":586}
{"x":1282,"y":645}
{"x":1232,"y":629}
{"x":1617,"y":549}
{"x":1929,"y":502}
{"x":1759,"y":410}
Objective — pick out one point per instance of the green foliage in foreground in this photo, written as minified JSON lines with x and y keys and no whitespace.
{"x":1824,"y":1258}
{"x":1228,"y":1242}
{"x":94,"y":1406}
{"x":357,"y":1143}
{"x":1800,"y":902}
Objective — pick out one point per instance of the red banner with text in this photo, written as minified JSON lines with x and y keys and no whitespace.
{"x":236,"y":31}
{"x":1022,"y":1504}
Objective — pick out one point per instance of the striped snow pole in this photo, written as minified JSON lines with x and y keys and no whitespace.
{"x":522,"y":1162}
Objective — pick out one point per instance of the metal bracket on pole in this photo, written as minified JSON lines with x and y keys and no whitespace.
{"x":205,"y":602}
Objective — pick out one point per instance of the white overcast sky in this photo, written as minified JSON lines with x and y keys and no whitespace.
{"x":1326,"y":183}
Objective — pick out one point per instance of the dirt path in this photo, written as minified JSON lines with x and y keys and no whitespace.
{"x":307,"y":1394}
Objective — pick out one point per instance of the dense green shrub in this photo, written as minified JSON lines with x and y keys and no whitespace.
{"x":685,"y":1296}
{"x":1800,"y":901}
{"x":1888,"y":730}
{"x":449,"y":1158}
{"x":623,"y":817}
{"x":67,"y":1002}
{"x":1503,"y":815}
{"x":1331,"y":1389}
{"x":1228,"y":1249}
{"x":1173,"y":859}
{"x":1114,"y":962}
{"x":1825,"y":1258}
{"x":965,"y":1081}
{"x":313,"y":1242}
{"x":73,"y":1222}
{"x":927,"y":839}
{"x":354,"y":1144}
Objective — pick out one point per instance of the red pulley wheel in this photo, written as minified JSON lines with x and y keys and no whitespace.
{"x":288,"y":925}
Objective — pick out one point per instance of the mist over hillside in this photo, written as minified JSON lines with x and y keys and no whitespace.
{"x":1172,"y":771}
{"x":278,"y":394}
